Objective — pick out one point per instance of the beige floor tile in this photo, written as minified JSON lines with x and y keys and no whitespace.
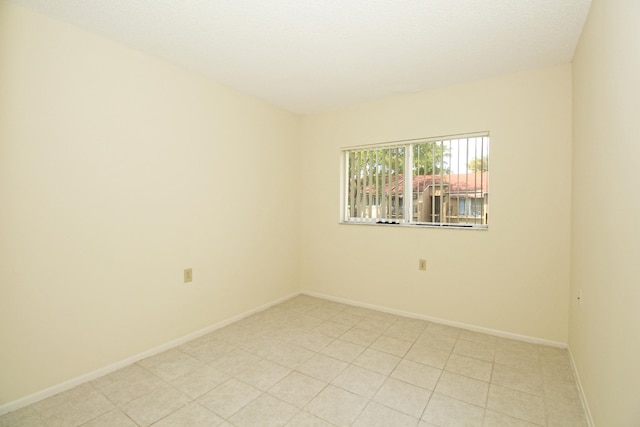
{"x":428,"y":356}
{"x":517,"y":404}
{"x":567,"y":418}
{"x":557,"y":370}
{"x":463,"y":388}
{"x":360,"y":336}
{"x":297,"y":389}
{"x":24,"y":417}
{"x":234,"y":334}
{"x":347,"y":319}
{"x":561,"y":396}
{"x":229,"y":397}
{"x":375,"y":325}
{"x":337,"y":406}
{"x":171,"y":364}
{"x":192,"y":415}
{"x":275,"y":319}
{"x":517,"y":379}
{"x":377,"y":361}
{"x":120,"y":388}
{"x":323,"y":368}
{"x":292,"y":333}
{"x":496,"y":419}
{"x":313,"y":340}
{"x":114,"y":418}
{"x":436,"y":341}
{"x":402,"y":396}
{"x":417,"y":374}
{"x":147,"y":409}
{"x":376,"y":415}
{"x":529,"y":361}
{"x":360,"y":311}
{"x":199,"y":381}
{"x":563,"y":405}
{"x":74,"y":407}
{"x":261,"y":344}
{"x":290,"y":356}
{"x":332,"y":329}
{"x":343,"y":350}
{"x":307,"y":322}
{"x":324,"y":312}
{"x":475,"y":350}
{"x":391,"y":345}
{"x":407,"y":324}
{"x":284,"y":333}
{"x":305,"y":419}
{"x":469,"y":367}
{"x":276,"y":314}
{"x":446,"y":411}
{"x":235,"y":361}
{"x":553,"y":352}
{"x":360,"y":381}
{"x":402,"y":333}
{"x":263,"y":374}
{"x":265,"y":411}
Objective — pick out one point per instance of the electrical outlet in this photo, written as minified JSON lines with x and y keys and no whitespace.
{"x":422,"y":264}
{"x":188,"y":275}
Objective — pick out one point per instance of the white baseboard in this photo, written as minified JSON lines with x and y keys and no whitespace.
{"x":43,"y":394}
{"x":461,"y":325}
{"x":583,"y":396}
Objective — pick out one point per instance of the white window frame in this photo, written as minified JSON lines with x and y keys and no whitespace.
{"x":446,"y":188}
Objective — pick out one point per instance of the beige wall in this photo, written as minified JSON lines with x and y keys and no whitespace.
{"x":117,"y":171}
{"x":512,"y":278}
{"x":604,"y":335}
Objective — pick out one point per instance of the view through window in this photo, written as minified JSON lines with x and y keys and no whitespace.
{"x":431,"y":182}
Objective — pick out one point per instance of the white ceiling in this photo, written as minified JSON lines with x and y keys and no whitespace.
{"x":308,"y":56}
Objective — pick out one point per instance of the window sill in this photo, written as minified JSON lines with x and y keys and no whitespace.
{"x":418,"y":225}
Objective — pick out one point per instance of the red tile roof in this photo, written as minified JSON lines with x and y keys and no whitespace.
{"x":457,"y":183}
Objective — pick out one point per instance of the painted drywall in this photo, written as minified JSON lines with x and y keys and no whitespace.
{"x":117,"y":171}
{"x":604,"y":333}
{"x":512,"y":278}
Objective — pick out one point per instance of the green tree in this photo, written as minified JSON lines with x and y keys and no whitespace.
{"x":431,"y":158}
{"x":479,"y":164}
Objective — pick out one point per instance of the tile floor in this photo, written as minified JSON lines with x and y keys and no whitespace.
{"x":313,"y":362}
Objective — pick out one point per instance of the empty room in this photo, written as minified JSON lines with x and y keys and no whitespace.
{"x":319,"y":213}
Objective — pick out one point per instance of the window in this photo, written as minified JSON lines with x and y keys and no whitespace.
{"x":441,"y":182}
